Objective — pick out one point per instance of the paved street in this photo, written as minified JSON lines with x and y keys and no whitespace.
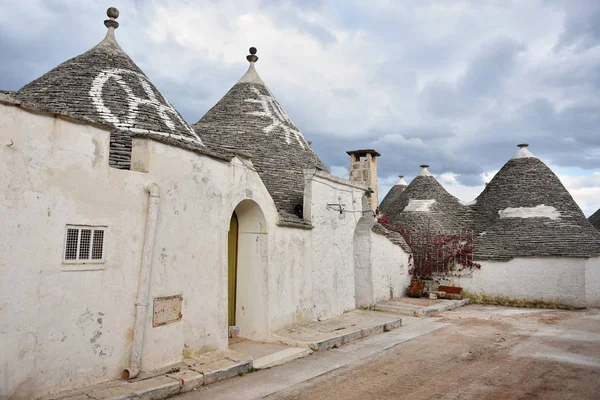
{"x":473,"y":353}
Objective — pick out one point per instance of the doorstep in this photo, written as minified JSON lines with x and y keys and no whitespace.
{"x":339,"y":330}
{"x":419,"y":307}
{"x":180,"y":378}
{"x":267,"y":355}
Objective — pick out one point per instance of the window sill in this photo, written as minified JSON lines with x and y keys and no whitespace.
{"x":83,"y":267}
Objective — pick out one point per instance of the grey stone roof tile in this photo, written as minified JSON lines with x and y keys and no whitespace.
{"x":595,"y":220}
{"x":104,"y":86}
{"x":249,"y":119}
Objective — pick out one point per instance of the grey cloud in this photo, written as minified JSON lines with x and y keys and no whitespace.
{"x":582,"y":29}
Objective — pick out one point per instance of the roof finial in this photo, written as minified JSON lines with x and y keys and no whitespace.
{"x":424,"y":170}
{"x":523,"y":145}
{"x":424,"y":166}
{"x":400,"y":176}
{"x":113,"y":14}
{"x":252,"y":57}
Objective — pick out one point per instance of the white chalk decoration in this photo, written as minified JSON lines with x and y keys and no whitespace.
{"x":419,"y":205}
{"x":540,"y":211}
{"x":270,"y":107}
{"x":163,"y":110}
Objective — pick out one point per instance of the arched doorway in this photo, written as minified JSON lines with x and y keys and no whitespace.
{"x":363,"y":275}
{"x":247,"y":271}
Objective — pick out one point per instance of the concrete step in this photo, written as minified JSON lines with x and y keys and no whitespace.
{"x":419,"y":307}
{"x":339,"y":330}
{"x":281,"y":357}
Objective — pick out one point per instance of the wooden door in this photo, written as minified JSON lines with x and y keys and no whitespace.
{"x":232,"y":269}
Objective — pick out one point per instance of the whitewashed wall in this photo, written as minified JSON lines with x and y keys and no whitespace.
{"x":64,"y":327}
{"x":61,"y":329}
{"x":390,"y":268}
{"x":332,"y":237}
{"x":556,"y":280}
{"x":592,"y":282}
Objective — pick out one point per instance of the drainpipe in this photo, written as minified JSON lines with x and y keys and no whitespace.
{"x":141,"y":304}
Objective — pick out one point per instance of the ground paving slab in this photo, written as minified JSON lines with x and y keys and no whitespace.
{"x":419,"y":307}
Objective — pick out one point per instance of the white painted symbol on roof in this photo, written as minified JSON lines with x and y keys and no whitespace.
{"x":279,"y":118}
{"x":163,"y":110}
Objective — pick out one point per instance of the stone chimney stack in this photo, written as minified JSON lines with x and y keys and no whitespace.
{"x":363,"y":169}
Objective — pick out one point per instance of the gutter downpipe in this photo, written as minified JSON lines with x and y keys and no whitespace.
{"x":141,"y":304}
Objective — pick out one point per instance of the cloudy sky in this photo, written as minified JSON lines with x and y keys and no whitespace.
{"x":455,"y":84}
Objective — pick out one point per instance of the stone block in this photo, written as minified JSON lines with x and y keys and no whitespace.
{"x":189,"y":379}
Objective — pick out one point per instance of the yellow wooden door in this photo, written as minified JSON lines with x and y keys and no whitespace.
{"x":232,"y":270}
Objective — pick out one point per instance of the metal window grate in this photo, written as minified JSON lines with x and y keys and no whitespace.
{"x":71,"y":245}
{"x":84,"y":244}
{"x":98,"y":246}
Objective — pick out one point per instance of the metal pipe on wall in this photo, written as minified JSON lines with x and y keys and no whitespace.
{"x":141,"y":304}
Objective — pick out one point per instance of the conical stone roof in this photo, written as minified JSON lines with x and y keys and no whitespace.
{"x":393,"y":194}
{"x":526,"y":211}
{"x":595,"y":220}
{"x":249,"y":119}
{"x":104,"y":86}
{"x":426,"y":206}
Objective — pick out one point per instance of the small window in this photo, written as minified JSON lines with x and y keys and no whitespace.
{"x":84,"y":244}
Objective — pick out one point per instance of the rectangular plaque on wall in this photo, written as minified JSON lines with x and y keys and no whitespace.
{"x":167,"y":310}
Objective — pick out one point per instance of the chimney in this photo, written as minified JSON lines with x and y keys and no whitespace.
{"x":363,"y":169}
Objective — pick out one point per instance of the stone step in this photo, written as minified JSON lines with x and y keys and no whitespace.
{"x":412,"y":309}
{"x":281,"y":357}
{"x":182,"y":377}
{"x":339,"y":330}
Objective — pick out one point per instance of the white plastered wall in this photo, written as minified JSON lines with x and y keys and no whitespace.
{"x":332,"y":237}
{"x":554,"y":280}
{"x":592,"y":281}
{"x":389,"y":263}
{"x":61,"y":329}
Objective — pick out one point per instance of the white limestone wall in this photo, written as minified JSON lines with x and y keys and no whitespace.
{"x":64,"y":328}
{"x":556,"y":280}
{"x":389,"y":263}
{"x":592,"y":282}
{"x":332,"y":256}
{"x":60,"y":328}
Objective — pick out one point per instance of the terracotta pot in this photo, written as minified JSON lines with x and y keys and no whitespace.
{"x":416,"y":288}
{"x":451,"y":289}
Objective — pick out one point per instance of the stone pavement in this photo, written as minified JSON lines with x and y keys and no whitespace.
{"x":270,"y":381}
{"x":419,"y":307}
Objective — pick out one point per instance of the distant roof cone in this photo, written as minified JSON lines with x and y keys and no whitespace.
{"x":393,"y":194}
{"x":103,"y":85}
{"x":595,"y":219}
{"x":249,"y":119}
{"x":526,"y":211}
{"x":425,"y":205}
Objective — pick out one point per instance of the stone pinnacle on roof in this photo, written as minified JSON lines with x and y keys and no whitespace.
{"x":113,"y":14}
{"x":401,"y":181}
{"x":523,"y":152}
{"x":424,"y":170}
{"x":252,"y":57}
